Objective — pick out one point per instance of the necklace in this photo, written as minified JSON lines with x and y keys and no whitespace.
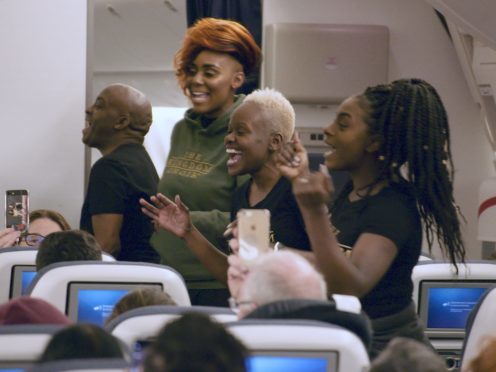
{"x":367,"y":189}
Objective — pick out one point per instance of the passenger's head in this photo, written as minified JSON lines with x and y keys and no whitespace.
{"x":407,"y":355}
{"x":120,"y":113}
{"x":31,"y":310}
{"x":276,"y":276}
{"x":485,"y":360}
{"x":41,"y":223}
{"x":213,"y":62}
{"x":82,"y":341}
{"x":195,"y":343}
{"x":140,"y":297}
{"x":72,"y":245}
{"x":258,"y":128}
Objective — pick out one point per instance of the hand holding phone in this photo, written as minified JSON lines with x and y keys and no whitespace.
{"x":253,"y":233}
{"x":16,"y":209}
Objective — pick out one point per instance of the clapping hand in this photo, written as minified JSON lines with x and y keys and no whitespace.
{"x":292,"y":159}
{"x":168,"y":215}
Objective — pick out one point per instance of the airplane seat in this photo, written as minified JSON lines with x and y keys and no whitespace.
{"x":107,"y":257}
{"x":300,"y":345}
{"x":22,"y":344}
{"x":15,"y":265}
{"x":145,"y":322}
{"x":444,"y":299}
{"x":425,"y":256}
{"x":480,"y":324}
{"x":84,"y":365}
{"x":325,"y":311}
{"x":10,"y":258}
{"x":86,"y":291}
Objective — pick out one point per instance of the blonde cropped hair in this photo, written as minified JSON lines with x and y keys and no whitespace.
{"x":276,"y":110}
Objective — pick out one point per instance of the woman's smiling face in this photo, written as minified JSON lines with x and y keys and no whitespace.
{"x":211,"y":80}
{"x":348,"y":136}
{"x":248,"y":140}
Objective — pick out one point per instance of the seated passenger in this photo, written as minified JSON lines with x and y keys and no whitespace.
{"x":141,"y":297}
{"x":258,"y":129}
{"x":284,"y":285}
{"x":41,"y":223}
{"x":72,"y":245}
{"x":82,"y":341}
{"x":30,"y":310}
{"x":273,"y":277}
{"x":195,"y":343}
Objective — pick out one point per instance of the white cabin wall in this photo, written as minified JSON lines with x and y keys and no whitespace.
{"x":43,"y":81}
{"x":419,"y":47}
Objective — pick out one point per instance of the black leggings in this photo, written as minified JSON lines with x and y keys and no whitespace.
{"x":405,"y":323}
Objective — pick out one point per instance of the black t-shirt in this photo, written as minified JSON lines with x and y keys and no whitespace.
{"x":393,"y":214}
{"x":286,"y":222}
{"x":117,"y":182}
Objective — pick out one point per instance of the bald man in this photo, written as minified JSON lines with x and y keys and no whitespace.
{"x":116,"y":125}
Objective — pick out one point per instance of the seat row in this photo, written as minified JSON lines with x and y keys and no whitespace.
{"x":80,"y":289}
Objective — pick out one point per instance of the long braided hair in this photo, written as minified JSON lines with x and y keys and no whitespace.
{"x":410,"y":117}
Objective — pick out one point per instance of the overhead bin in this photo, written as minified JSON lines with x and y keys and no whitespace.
{"x":324,"y":63}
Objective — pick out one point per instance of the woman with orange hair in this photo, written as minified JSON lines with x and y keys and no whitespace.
{"x":215,"y":58}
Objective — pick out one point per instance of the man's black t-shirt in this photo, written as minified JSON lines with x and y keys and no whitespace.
{"x":286,"y":222}
{"x":393,"y":214}
{"x":117,"y":182}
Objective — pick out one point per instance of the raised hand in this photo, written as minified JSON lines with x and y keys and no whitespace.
{"x":236,"y":274}
{"x":313,"y":190}
{"x":231,"y":234}
{"x":292,"y":159}
{"x":8,"y":237}
{"x":168,"y":215}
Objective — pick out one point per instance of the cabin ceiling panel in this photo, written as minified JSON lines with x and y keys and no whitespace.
{"x":137,"y":35}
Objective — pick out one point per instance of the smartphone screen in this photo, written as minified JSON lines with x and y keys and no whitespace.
{"x":253,"y":233}
{"x":16,"y":209}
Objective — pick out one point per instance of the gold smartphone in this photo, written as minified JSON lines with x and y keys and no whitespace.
{"x":253,"y":233}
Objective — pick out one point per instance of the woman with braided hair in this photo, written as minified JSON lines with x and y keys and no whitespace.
{"x":394,"y":141}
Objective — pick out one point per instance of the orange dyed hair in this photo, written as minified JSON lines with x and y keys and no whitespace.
{"x":221,"y":36}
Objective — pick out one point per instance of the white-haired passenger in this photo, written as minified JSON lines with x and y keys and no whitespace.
{"x":278,"y":276}
{"x":258,"y":129}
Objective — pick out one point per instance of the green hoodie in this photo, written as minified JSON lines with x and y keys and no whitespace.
{"x":196,"y":170}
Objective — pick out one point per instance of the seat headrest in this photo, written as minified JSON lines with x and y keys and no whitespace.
{"x":324,"y":311}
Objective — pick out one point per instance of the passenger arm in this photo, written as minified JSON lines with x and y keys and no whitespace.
{"x":107,"y":228}
{"x":372,"y":254}
{"x":175,"y":218}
